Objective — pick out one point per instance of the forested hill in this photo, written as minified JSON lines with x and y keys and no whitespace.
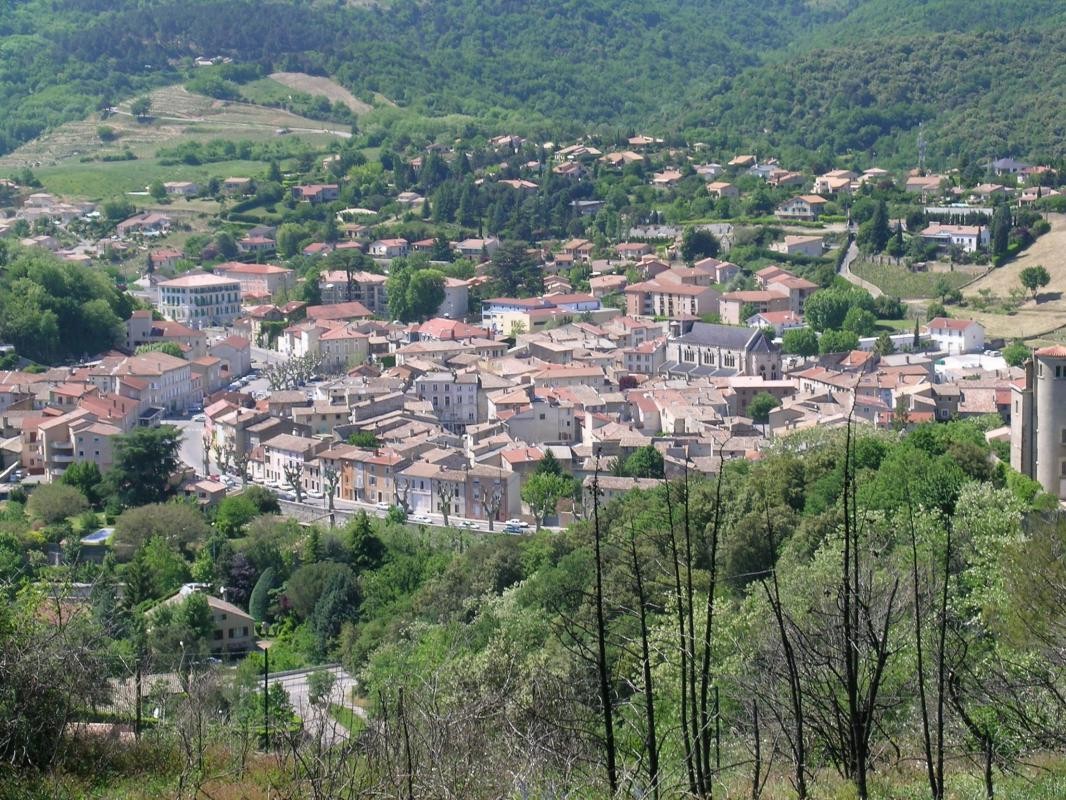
{"x":663,"y":63}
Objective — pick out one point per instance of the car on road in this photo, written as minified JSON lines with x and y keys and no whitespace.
{"x":199,"y":418}
{"x":509,"y":528}
{"x":517,"y":523}
{"x":286,"y":496}
{"x":422,"y":519}
{"x":468,"y":523}
{"x":382,"y":506}
{"x":314,"y":494}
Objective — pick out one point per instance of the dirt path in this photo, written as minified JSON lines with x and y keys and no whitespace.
{"x":314,"y":84}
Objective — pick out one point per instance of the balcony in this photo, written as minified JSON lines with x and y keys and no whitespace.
{"x":59,"y":458}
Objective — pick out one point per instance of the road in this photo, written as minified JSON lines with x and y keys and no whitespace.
{"x":846,"y":273}
{"x":191,"y":451}
{"x":297,"y":684}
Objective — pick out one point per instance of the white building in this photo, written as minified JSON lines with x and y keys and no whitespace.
{"x":454,"y":397}
{"x":968,"y":237}
{"x":956,"y":336}
{"x":200,"y":300}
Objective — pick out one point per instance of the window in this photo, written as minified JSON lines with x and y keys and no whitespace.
{"x":217,"y":635}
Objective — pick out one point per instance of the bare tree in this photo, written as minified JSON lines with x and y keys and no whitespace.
{"x":491,"y":499}
{"x":331,"y":481}
{"x":444,"y":499}
{"x":606,"y":702}
{"x":207,"y":442}
{"x":294,"y":477}
{"x":240,"y":460}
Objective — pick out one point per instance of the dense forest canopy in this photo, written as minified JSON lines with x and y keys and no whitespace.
{"x":731,"y":66}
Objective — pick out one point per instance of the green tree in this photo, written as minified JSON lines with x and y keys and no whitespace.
{"x":365,"y":550}
{"x":697,"y":243}
{"x":1016,"y":353}
{"x":826,"y":309}
{"x":290,"y":237}
{"x":874,"y":233}
{"x":306,"y":585}
{"x":549,"y":464}
{"x":86,"y":478}
{"x":760,"y":407}
{"x":884,"y":345}
{"x":157,"y":190}
{"x":234,"y":512}
{"x":54,"y":502}
{"x":837,"y":341}
{"x":144,"y":462}
{"x":259,"y":602}
{"x":226,"y":245}
{"x":860,"y":321}
{"x":543,"y":492}
{"x":179,"y":524}
{"x":515,"y":272}
{"x":264,"y":500}
{"x":415,"y":291}
{"x":170,"y":348}
{"x":165,"y":566}
{"x":364,"y":439}
{"x":644,"y":462}
{"x":1000,"y":233}
{"x":141,"y":107}
{"x":800,"y":342}
{"x":1034,"y":279}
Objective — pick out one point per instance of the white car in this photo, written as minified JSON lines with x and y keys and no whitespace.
{"x":314,"y":494}
{"x":517,"y":523}
{"x":467,"y":523}
{"x":199,"y":418}
{"x":382,"y":506}
{"x":421,"y":518}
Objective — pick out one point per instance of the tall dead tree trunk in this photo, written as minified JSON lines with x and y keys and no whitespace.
{"x":601,"y":642}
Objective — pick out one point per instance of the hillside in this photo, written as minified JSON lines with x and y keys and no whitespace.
{"x":877,"y":67}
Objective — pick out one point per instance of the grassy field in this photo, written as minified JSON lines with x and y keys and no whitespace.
{"x":901,"y":282}
{"x":102,"y":180}
{"x":177,"y":116}
{"x":265,"y":90}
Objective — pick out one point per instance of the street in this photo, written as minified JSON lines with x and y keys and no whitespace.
{"x":297,"y":684}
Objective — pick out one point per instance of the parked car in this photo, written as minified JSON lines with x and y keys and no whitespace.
{"x":199,"y":418}
{"x":518,"y":523}
{"x":382,"y":506}
{"x":513,"y":529}
{"x":422,"y":519}
{"x":468,"y":523}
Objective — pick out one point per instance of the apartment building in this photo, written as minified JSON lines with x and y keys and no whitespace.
{"x":200,"y":300}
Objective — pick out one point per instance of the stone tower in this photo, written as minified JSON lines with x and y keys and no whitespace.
{"x":1038,"y":421}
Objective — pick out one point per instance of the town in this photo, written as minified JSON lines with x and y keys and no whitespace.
{"x":532,"y":400}
{"x":653,"y":350}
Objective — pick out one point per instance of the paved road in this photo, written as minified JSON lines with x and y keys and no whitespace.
{"x":846,"y":273}
{"x":318,"y":719}
{"x":191,"y":451}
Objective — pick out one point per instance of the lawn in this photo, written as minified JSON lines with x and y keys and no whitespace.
{"x":347,"y":718}
{"x":100,"y":180}
{"x":265,"y":91}
{"x":901,"y":282}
